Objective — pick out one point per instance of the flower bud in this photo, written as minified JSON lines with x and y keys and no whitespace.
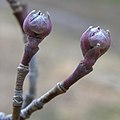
{"x":95,"y":36}
{"x":37,"y":24}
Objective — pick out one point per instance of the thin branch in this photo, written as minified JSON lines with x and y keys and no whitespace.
{"x":23,"y":70}
{"x":20,"y":12}
{"x":60,"y":88}
{"x":100,"y":43}
{"x":35,"y":34}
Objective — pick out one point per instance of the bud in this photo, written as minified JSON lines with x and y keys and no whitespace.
{"x":37,"y":24}
{"x":95,"y":37}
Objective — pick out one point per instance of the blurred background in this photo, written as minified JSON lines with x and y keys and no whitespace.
{"x":94,"y":97}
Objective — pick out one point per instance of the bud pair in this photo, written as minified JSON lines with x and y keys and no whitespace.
{"x":39,"y":25}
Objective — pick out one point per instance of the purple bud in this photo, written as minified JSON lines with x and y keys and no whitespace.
{"x":37,"y":24}
{"x":95,"y":36}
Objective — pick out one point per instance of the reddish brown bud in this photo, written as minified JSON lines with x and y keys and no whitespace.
{"x":93,"y":37}
{"x":37,"y":24}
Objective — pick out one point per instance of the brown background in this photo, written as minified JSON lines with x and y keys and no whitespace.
{"x":97,"y":96}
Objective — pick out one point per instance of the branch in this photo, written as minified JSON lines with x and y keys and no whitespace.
{"x":34,"y":37}
{"x":94,"y":43}
{"x":93,"y":46}
{"x":60,"y":88}
{"x":20,"y":12}
{"x":83,"y":68}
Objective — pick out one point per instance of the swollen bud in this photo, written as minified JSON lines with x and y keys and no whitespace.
{"x":95,"y":37}
{"x":37,"y":24}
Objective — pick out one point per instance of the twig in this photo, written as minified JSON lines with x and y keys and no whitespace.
{"x":20,"y":12}
{"x":60,"y":88}
{"x":100,"y":43}
{"x":22,"y":72}
{"x":93,"y":46}
{"x":31,"y":48}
